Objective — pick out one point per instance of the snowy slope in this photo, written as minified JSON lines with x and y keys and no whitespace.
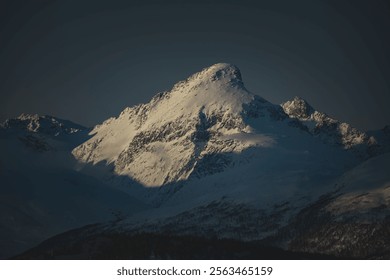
{"x":365,"y":188}
{"x":40,"y":193}
{"x":351,"y":221}
{"x":360,"y":195}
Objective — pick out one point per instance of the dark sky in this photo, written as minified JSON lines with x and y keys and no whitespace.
{"x":87,"y":60}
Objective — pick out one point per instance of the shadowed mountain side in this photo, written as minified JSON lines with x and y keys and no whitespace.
{"x":350,"y":222}
{"x":41,"y":205}
{"x":350,"y":235}
{"x":220,"y":230}
{"x":41,"y":193}
{"x":83,"y":244}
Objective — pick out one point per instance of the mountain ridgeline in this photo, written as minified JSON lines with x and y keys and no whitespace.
{"x":207,"y":160}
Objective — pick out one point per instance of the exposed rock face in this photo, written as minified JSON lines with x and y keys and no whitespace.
{"x":329,"y":130}
{"x":298,"y":108}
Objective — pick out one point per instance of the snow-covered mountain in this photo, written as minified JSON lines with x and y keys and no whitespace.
{"x":211,"y":135}
{"x":211,"y":159}
{"x":168,"y":139}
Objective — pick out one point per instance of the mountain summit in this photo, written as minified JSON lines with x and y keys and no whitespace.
{"x":223,"y":73}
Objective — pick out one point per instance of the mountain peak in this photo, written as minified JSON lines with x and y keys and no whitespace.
{"x":298,"y":108}
{"x":44,"y":124}
{"x":215,"y":89}
{"x":223,"y":69}
{"x":224,"y":73}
